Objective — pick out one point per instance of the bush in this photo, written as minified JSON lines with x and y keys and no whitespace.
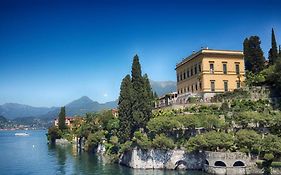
{"x":163,"y":142}
{"x":94,"y":139}
{"x":211,"y":141}
{"x":125,"y":146}
{"x":141,"y":140}
{"x":53,"y":134}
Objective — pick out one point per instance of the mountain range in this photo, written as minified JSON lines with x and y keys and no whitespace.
{"x":14,"y":111}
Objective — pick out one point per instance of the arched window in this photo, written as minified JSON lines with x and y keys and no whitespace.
{"x":238,"y":163}
{"x":206,"y":162}
{"x":220,"y":163}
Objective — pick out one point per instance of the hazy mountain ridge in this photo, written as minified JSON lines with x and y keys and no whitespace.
{"x":77,"y":107}
{"x":163,"y":87}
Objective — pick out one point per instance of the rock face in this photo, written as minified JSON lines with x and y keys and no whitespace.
{"x":62,"y":142}
{"x":161,"y":159}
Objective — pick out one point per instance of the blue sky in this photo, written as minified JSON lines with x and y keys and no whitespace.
{"x":52,"y":52}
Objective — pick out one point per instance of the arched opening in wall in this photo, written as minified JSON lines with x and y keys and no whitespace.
{"x":238,"y":163}
{"x":181,"y":164}
{"x":206,"y":162}
{"x":220,"y":163}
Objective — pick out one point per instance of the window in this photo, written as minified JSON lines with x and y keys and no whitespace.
{"x":212,"y":85}
{"x":195,"y":69}
{"x":184,"y":76}
{"x":184,"y":90}
{"x":225,"y":85}
{"x":224,"y":68}
{"x":212,"y":68}
{"x":178,"y":78}
{"x":238,"y":84}
{"x":199,"y":67}
{"x":187,"y":73}
{"x":181,"y":77}
{"x":191,"y":71}
{"x":188,"y":88}
{"x":196,"y":87}
{"x":192,"y":88}
{"x":200,"y":85}
{"x":237,"y":68}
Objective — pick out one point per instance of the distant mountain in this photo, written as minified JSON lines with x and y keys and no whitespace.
{"x":76,"y":107}
{"x":85,"y":104}
{"x":3,"y":119}
{"x":14,"y":110}
{"x":163,"y":87}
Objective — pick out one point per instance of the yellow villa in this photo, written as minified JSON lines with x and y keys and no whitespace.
{"x":208,"y":72}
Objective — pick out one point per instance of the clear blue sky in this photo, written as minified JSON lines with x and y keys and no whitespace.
{"x":54,"y":52}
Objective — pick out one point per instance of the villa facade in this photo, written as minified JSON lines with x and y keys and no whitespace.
{"x":208,"y":72}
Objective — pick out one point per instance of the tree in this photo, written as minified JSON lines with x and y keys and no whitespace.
{"x":155,"y":95}
{"x":135,"y":102}
{"x":53,"y":134}
{"x":125,"y":109}
{"x":253,"y":54}
{"x":61,"y":123}
{"x":247,"y":140}
{"x":273,"y":53}
{"x":142,"y":97}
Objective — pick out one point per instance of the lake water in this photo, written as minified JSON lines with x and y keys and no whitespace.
{"x":31,"y":155}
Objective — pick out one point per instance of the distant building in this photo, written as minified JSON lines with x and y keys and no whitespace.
{"x":166,"y":100}
{"x":114,"y":112}
{"x":208,"y":72}
{"x":68,"y":121}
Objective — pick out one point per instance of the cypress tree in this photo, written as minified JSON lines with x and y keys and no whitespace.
{"x":246,"y":49}
{"x":155,"y":95}
{"x":61,"y":122}
{"x":148,"y":99}
{"x":253,"y":54}
{"x":125,"y":109}
{"x":273,"y":53}
{"x":138,"y":107}
{"x":135,"y":102}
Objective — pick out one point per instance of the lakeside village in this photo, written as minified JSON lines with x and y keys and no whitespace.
{"x":224,"y":118}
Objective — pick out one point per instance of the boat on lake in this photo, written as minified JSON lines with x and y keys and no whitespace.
{"x":21,"y":134}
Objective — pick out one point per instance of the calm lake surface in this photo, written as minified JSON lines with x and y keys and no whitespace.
{"x":30,"y":155}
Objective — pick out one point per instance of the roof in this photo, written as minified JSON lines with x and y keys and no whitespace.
{"x":214,"y":51}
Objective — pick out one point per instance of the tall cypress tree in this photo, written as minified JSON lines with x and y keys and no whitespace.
{"x":61,"y":122}
{"x":247,"y":58}
{"x":148,"y":99}
{"x":253,"y":54}
{"x":135,"y":102}
{"x":273,"y":53}
{"x":125,"y":109}
{"x":138,"y":106}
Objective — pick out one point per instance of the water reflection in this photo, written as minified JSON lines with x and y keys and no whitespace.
{"x":70,"y":161}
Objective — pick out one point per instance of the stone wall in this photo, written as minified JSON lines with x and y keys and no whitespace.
{"x":179,"y":159}
{"x":160,"y":159}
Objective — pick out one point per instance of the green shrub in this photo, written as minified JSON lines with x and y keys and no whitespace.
{"x":163,"y":142}
{"x":114,"y":140}
{"x":125,"y":146}
{"x":53,"y":134}
{"x":141,"y":140}
{"x":276,"y":164}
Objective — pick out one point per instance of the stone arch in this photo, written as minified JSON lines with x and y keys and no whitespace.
{"x":181,"y":164}
{"x":220,"y":163}
{"x":238,"y":163}
{"x":206,"y":162}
